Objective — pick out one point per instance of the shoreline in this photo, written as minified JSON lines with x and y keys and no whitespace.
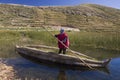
{"x":6,"y":72}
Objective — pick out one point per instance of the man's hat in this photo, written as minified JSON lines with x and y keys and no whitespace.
{"x":61,"y":30}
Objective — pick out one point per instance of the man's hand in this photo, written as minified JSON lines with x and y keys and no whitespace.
{"x":55,"y":35}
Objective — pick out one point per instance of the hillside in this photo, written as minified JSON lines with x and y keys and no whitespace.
{"x":88,"y":17}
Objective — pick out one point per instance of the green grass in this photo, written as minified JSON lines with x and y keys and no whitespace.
{"x":99,"y":45}
{"x":96,"y":40}
{"x":85,"y":42}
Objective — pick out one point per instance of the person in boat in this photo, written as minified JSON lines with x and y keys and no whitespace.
{"x":63,"y":41}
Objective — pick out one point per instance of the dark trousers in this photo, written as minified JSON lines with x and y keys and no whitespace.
{"x":62,"y":50}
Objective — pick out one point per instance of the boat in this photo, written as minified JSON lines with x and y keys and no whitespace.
{"x":43,"y":56}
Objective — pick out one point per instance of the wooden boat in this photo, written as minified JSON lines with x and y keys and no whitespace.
{"x":31,"y":52}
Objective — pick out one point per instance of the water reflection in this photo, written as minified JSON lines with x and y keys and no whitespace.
{"x":26,"y":69}
{"x":62,"y":75}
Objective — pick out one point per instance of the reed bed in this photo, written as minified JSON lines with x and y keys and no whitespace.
{"x":79,"y":41}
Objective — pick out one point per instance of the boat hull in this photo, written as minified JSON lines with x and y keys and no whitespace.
{"x":60,"y":60}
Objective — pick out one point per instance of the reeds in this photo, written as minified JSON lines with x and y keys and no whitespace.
{"x":79,"y":41}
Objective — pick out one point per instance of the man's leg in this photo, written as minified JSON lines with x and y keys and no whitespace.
{"x":60,"y":50}
{"x":64,"y":51}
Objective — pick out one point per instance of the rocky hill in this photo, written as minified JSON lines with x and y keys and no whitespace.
{"x":89,"y":17}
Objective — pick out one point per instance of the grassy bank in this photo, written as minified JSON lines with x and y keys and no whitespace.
{"x":80,"y":41}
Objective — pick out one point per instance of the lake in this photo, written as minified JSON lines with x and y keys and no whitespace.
{"x":29,"y":70}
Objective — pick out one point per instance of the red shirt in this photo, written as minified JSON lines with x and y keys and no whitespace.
{"x":64,"y":38}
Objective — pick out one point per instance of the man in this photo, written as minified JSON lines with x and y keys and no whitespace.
{"x":63,"y":41}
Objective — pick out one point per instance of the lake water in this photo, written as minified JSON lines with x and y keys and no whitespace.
{"x":28,"y":70}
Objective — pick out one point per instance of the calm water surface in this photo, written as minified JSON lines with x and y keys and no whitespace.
{"x":29,"y":70}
